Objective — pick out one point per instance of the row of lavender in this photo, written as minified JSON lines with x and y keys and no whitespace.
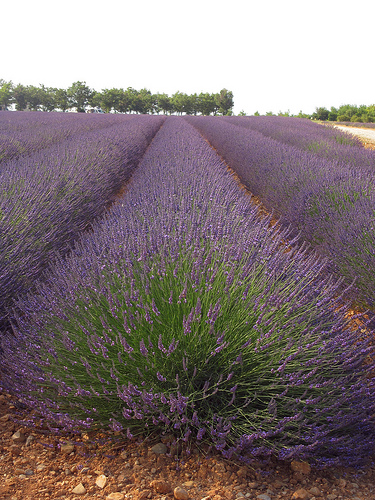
{"x":332,"y":205}
{"x":325,"y":141}
{"x":22,"y":134}
{"x":48,"y":197}
{"x":182,"y":313}
{"x":357,"y":124}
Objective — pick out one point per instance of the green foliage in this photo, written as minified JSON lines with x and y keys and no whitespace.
{"x":61,"y":99}
{"x":243,"y":323}
{"x":207,"y":104}
{"x":19,"y":95}
{"x":322,"y":207}
{"x":317,"y":146}
{"x":80,"y":96}
{"x":34,"y":97}
{"x":5,"y":94}
{"x":356,"y":118}
{"x":181,"y":103}
{"x":117,"y":100}
{"x":224,"y":102}
{"x":343,"y":118}
{"x":163,"y":103}
{"x":321,"y":114}
{"x":332,"y":116}
{"x":303,"y":115}
{"x":347,"y":113}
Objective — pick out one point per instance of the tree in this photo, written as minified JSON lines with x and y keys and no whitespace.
{"x":5,"y":94}
{"x":332,"y":116}
{"x":128,"y":100}
{"x":224,"y":101}
{"x":163,"y":102}
{"x":321,"y":114}
{"x":303,"y":115}
{"x":207,"y":103}
{"x":343,"y":118}
{"x":80,"y":96}
{"x":193,"y":104}
{"x":33,"y":97}
{"x":96,"y":99}
{"x":61,"y":99}
{"x":178,"y":101}
{"x":371,"y":113}
{"x":20,"y":97}
{"x":189,"y":104}
{"x":143,"y":102}
{"x":107,"y":99}
{"x":48,"y":102}
{"x":347,"y":110}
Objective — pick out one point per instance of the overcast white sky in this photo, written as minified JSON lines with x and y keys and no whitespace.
{"x":274,"y":55}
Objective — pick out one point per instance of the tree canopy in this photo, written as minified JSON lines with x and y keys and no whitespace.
{"x":344,"y":113}
{"x":81,"y":98}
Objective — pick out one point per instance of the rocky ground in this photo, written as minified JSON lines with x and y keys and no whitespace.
{"x":39,"y":466}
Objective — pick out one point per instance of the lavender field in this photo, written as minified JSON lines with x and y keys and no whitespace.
{"x":319,"y":181}
{"x":176,"y":307}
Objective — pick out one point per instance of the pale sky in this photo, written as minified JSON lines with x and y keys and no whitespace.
{"x":274,"y":55}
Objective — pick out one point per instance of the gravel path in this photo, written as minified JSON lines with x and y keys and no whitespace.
{"x":367,"y":135}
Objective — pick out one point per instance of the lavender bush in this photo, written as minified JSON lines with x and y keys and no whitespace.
{"x":324,"y":141}
{"x":183,"y":312}
{"x":355,"y":239}
{"x":313,"y":196}
{"x":23,"y":134}
{"x":299,"y":132}
{"x":357,"y":124}
{"x":49,"y":197}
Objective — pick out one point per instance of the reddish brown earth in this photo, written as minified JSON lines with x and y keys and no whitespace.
{"x":42,"y":467}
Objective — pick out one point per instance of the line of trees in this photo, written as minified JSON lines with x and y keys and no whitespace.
{"x":344,"y":113}
{"x":80,"y":97}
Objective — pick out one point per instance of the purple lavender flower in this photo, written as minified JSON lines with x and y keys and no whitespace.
{"x":160,"y":377}
{"x":284,"y":311}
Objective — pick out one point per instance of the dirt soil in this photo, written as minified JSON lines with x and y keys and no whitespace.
{"x":367,"y":135}
{"x":36,"y":465}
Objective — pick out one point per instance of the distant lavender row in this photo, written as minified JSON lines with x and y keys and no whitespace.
{"x":181,"y":313}
{"x":22,"y":134}
{"x":356,"y":124}
{"x":330,"y":204}
{"x":324,"y":141}
{"x":47,"y":198}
